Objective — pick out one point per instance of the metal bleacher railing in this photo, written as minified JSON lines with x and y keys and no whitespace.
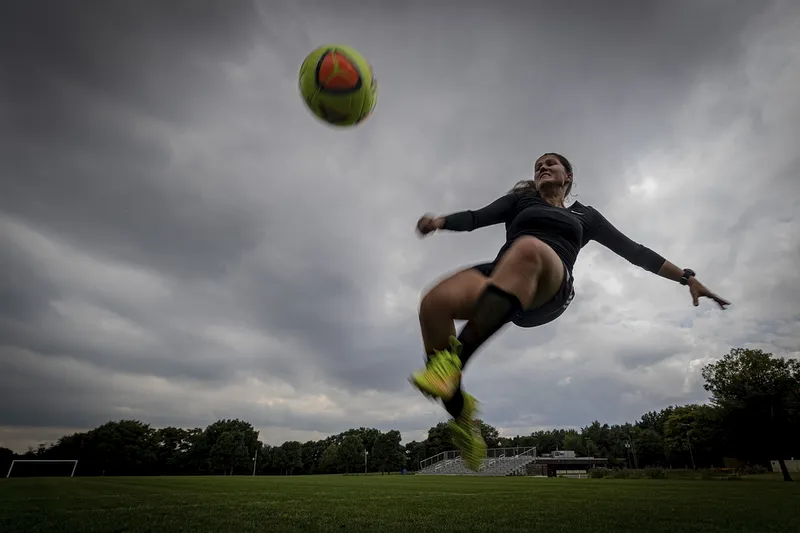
{"x":498,"y":462}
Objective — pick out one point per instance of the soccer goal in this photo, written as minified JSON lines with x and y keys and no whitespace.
{"x":43,"y":467}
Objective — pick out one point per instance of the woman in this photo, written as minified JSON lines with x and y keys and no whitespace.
{"x":529,"y":283}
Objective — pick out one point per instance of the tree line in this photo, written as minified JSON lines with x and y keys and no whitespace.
{"x":753,"y":417}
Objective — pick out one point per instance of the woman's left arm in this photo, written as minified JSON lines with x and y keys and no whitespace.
{"x":687,"y":277}
{"x":602,"y":231}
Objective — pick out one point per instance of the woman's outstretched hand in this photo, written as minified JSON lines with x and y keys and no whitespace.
{"x":428,"y":224}
{"x":698,"y":290}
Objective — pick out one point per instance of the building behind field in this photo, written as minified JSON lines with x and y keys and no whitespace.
{"x":514,"y":462}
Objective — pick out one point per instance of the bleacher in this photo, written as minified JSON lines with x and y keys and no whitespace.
{"x":498,"y":462}
{"x":507,"y":466}
{"x":451,"y":467}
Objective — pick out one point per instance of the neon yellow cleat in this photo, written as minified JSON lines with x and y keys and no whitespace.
{"x":466,"y":436}
{"x":442,"y":375}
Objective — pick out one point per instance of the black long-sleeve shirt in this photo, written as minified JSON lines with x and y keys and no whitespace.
{"x":567,"y":231}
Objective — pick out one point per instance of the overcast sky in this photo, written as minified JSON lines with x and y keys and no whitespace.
{"x":181,"y":241}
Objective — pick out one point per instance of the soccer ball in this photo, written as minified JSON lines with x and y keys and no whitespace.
{"x":338,"y":85}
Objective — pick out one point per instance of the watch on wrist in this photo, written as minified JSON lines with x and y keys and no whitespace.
{"x":687,"y":273}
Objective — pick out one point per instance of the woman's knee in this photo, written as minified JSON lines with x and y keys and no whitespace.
{"x":529,"y":250}
{"x":452,"y":294}
{"x":432,"y":300}
{"x":531,"y":260}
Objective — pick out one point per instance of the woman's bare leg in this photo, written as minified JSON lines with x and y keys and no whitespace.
{"x":531,"y":271}
{"x":453,"y":298}
{"x":528,"y":275}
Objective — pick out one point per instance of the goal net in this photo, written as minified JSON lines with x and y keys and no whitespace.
{"x":42,"y":468}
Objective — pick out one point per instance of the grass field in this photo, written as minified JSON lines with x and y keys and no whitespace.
{"x":417,"y":504}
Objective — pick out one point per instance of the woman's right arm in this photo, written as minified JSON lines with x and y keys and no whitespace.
{"x":494,"y":213}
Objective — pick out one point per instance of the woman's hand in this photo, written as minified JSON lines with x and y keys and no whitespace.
{"x":428,"y":224}
{"x":698,"y":290}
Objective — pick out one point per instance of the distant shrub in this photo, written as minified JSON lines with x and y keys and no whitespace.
{"x":598,"y":473}
{"x":655,"y":473}
{"x":729,"y":474}
{"x":662,"y":473}
{"x":623,"y":473}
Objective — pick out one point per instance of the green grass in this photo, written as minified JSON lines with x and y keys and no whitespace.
{"x":417,"y":504}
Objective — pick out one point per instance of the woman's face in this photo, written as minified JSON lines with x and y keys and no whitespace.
{"x":549,"y":172}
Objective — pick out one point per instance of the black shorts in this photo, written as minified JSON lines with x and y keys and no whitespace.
{"x":547,"y":312}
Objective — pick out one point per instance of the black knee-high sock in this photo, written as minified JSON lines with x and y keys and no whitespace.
{"x":494,"y":309}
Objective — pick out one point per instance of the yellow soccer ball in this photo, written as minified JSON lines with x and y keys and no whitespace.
{"x":338,"y":85}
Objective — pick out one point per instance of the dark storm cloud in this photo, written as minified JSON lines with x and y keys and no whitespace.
{"x":37,"y":398}
{"x":24,"y":291}
{"x":148,"y":56}
{"x":322,"y":302}
{"x":91,"y":92}
{"x":647,"y":355}
{"x":71,"y":394}
{"x":181,"y":241}
{"x":29,"y":320}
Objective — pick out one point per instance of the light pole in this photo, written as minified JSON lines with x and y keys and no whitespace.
{"x":691,"y":452}
{"x":689,"y":443}
{"x":365,"y":461}
{"x":633,"y":451}
{"x":628,"y":452}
